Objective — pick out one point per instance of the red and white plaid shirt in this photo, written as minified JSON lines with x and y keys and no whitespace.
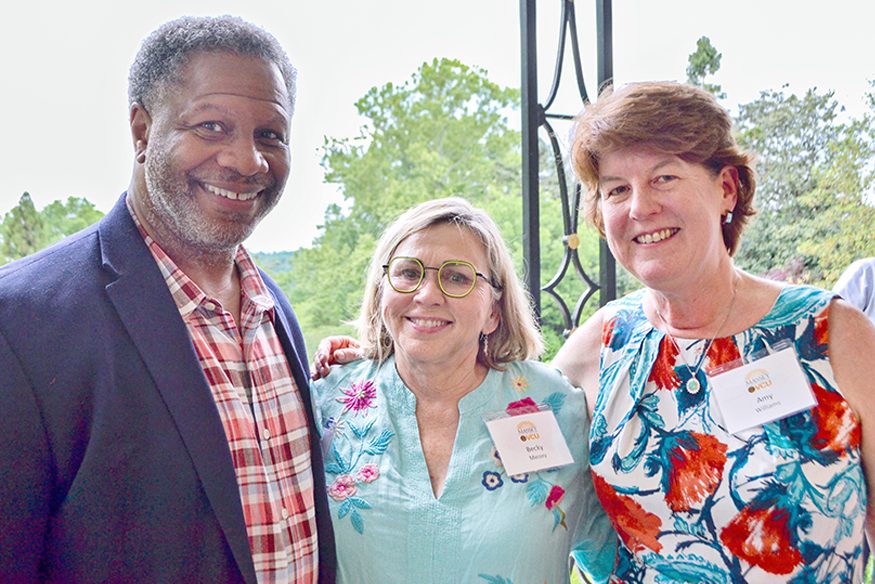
{"x":263,"y":417}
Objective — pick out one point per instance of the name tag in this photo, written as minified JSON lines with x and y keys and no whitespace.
{"x":529,"y":442}
{"x":763,"y":391}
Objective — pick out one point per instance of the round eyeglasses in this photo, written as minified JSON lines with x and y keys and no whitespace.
{"x":455,"y":278}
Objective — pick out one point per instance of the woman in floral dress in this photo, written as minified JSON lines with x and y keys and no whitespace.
{"x":732,"y":423}
{"x":419,"y":492}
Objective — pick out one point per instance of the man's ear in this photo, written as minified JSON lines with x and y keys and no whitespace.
{"x":141,"y":125}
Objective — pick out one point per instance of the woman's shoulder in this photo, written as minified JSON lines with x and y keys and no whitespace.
{"x":533,"y":379}
{"x":796,"y":303}
{"x":805,"y":293}
{"x":533,"y":384}
{"x":535,"y":369}
{"x":344,"y":375}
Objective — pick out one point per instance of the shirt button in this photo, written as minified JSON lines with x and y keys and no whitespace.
{"x":265,"y":434}
{"x":285,"y":513}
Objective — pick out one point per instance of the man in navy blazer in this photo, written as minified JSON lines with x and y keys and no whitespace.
{"x":114,"y":460}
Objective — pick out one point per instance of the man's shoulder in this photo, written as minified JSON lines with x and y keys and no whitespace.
{"x":79,"y":256}
{"x":860,"y":275}
{"x":58,"y":262}
{"x":864,"y":268}
{"x":73,"y":274}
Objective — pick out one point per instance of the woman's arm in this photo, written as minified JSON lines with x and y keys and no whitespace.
{"x":579,"y":357}
{"x":852,"y":355}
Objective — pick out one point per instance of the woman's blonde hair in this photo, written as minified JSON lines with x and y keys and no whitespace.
{"x":517,"y":337}
{"x":666,"y":117}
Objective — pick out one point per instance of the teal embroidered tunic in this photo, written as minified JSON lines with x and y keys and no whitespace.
{"x":486,"y":526}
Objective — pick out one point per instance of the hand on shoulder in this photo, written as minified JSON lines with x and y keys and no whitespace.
{"x":337,"y":350}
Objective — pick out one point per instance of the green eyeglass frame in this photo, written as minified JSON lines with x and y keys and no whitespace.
{"x":451,"y":281}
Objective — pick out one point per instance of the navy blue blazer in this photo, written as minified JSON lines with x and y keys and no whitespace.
{"x":114,"y":466}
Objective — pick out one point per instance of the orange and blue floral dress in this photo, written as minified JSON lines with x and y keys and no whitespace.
{"x":780,"y":502}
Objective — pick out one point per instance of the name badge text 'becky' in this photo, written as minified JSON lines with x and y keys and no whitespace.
{"x":529,"y":442}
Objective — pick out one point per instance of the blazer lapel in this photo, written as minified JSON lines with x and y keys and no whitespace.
{"x":145,"y":306}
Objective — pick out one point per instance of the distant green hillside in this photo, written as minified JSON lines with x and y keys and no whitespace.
{"x":278,"y":265}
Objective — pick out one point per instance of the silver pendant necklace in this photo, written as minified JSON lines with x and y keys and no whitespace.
{"x":693,"y":386}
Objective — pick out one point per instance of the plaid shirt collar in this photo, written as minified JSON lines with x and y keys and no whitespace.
{"x":188,"y":295}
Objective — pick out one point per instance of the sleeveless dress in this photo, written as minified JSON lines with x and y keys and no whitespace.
{"x":780,"y":502}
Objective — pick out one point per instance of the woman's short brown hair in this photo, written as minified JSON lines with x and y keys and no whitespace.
{"x":517,"y":336}
{"x":666,"y":117}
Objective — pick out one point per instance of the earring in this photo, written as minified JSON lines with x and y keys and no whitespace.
{"x":728,"y":219}
{"x":485,"y":345}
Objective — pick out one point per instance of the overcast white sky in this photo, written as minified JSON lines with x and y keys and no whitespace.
{"x":63,"y":111}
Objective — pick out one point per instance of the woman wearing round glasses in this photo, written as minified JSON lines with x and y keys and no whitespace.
{"x":412,"y":433}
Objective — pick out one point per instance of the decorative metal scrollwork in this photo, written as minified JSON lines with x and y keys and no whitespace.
{"x":536,"y":116}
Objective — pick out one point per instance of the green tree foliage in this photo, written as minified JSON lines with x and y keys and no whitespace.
{"x":25,"y":230}
{"x":814,"y":172}
{"x":705,"y":61}
{"x":814,"y":179}
{"x":840,"y":227}
{"x":63,"y":219}
{"x":442,"y":133}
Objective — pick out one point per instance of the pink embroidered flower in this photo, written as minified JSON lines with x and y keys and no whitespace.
{"x":523,"y":406}
{"x":342,"y":487}
{"x":360,"y":397}
{"x":368,"y":473}
{"x":555,"y":497}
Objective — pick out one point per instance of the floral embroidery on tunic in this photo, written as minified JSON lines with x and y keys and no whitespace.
{"x":358,"y":397}
{"x":520,"y":383}
{"x":351,"y":441}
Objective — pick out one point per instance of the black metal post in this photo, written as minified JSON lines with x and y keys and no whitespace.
{"x":531,"y":120}
{"x":605,"y":66}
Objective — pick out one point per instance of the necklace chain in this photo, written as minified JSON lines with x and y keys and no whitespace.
{"x":693,"y":384}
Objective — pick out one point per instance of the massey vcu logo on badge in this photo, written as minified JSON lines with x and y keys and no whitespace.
{"x":527,"y":431}
{"x":757,"y":379}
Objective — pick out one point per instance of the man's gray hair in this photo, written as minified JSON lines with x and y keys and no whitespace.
{"x":166,"y":51}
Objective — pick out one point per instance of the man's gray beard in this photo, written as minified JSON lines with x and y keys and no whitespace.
{"x":172,"y":206}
